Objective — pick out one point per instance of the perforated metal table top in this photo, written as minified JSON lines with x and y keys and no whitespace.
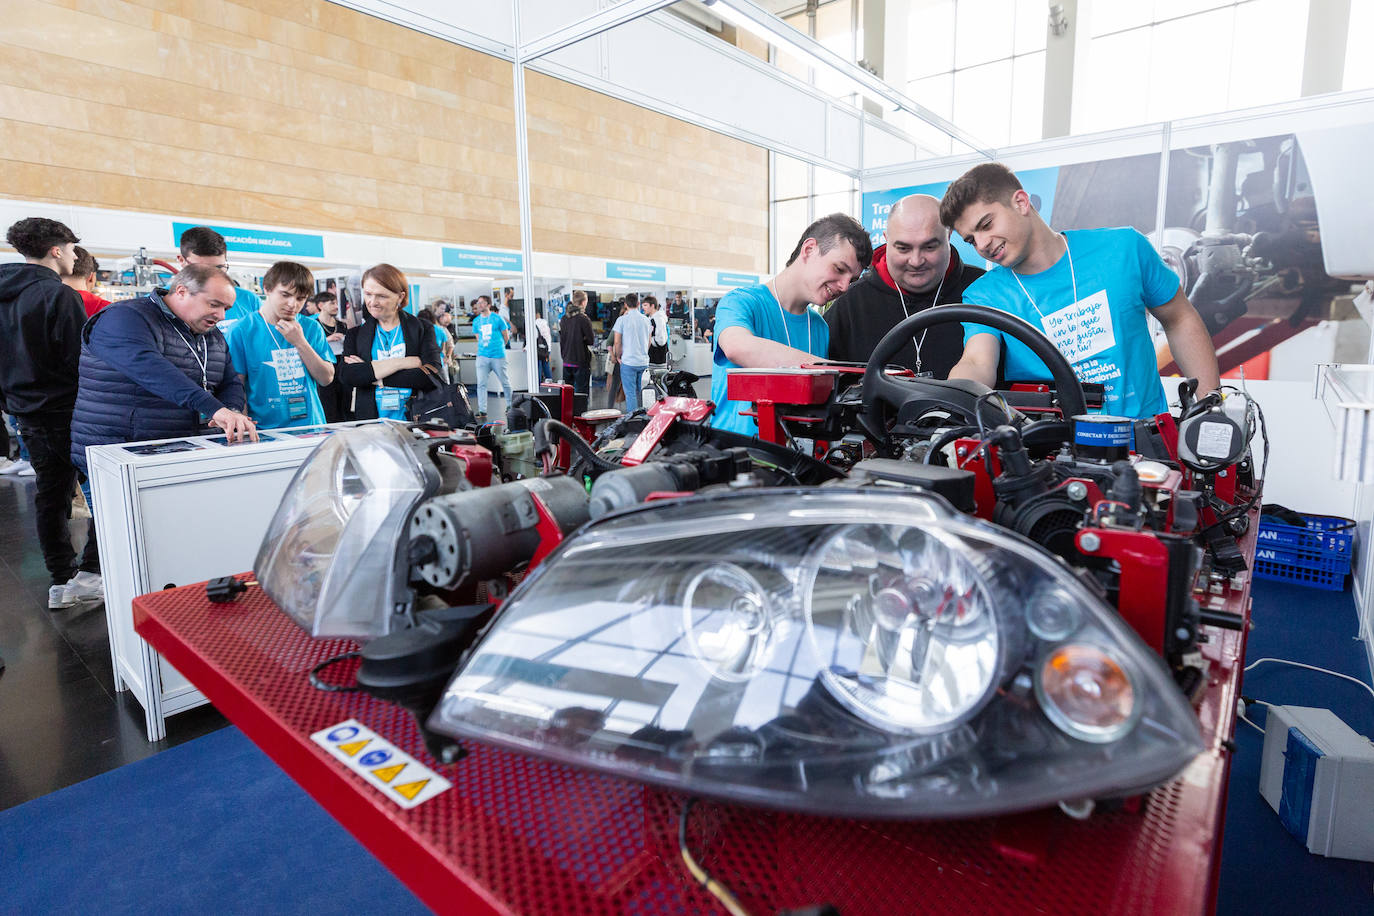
{"x":518,"y":835}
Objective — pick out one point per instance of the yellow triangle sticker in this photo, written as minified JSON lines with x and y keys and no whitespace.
{"x":354,"y":746}
{"x":386,"y":774}
{"x":411,"y":789}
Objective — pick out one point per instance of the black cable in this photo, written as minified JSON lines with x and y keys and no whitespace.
{"x":333,"y":688}
{"x":946,"y":438}
{"x":703,"y":877}
{"x":978,"y":414}
{"x":569,"y":435}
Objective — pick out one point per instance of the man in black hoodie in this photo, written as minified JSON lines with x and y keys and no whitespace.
{"x":915,"y":269}
{"x":40,"y":350}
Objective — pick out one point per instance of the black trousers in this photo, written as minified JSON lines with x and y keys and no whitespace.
{"x":580,"y":377}
{"x":49,"y":439}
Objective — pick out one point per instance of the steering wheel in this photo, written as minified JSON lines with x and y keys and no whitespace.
{"x":884,"y":396}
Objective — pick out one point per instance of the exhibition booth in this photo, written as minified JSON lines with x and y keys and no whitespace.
{"x":853,"y":790}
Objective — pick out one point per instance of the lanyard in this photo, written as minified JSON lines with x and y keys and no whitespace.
{"x":389,"y":338}
{"x":1072,"y":278}
{"x":202,"y":357}
{"x":272,"y":332}
{"x":933,"y":302}
{"x":785,"y":330}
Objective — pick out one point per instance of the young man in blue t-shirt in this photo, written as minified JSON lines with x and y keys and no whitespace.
{"x":772,"y":324}
{"x":281,"y":360}
{"x":1089,"y":290}
{"x":493,"y":333}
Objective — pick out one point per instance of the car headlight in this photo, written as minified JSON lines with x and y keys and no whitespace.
{"x":330,"y":558}
{"x":852,"y":652}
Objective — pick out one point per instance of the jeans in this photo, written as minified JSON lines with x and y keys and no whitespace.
{"x":580,"y":377}
{"x":50,"y":450}
{"x":14,"y":428}
{"x":485,"y":366}
{"x":544,"y":372}
{"x":632,"y":379}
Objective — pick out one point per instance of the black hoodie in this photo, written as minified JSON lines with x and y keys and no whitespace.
{"x":870,"y":308}
{"x":40,"y":340}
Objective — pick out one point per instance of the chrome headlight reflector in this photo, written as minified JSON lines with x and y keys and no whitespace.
{"x":828,"y":650}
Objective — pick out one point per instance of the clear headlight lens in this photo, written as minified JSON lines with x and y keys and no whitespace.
{"x":829,"y":650}
{"x":329,"y":557}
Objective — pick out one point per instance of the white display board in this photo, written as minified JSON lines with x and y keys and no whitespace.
{"x":174,"y":512}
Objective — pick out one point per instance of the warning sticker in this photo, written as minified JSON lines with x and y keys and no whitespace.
{"x":1214,"y":439}
{"x":390,"y":770}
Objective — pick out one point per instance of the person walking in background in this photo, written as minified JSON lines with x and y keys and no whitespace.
{"x":631,"y":345}
{"x":493,"y":333}
{"x":543,"y":343}
{"x":575,"y":340}
{"x":82,"y":279}
{"x":613,"y":380}
{"x":40,"y":355}
{"x":441,"y":336}
{"x":658,"y":338}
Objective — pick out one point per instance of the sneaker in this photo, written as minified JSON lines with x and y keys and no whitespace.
{"x":85,"y":586}
{"x":17,"y":469}
{"x":57,"y":598}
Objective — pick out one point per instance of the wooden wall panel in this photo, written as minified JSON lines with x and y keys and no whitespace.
{"x":305,"y":114}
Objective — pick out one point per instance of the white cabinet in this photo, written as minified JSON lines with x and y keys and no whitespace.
{"x":173,"y":512}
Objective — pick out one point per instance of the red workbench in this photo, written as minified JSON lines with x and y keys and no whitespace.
{"x":519,"y":835}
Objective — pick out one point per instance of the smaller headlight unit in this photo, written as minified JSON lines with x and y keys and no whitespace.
{"x":828,"y":650}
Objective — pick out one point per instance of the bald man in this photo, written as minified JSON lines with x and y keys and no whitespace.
{"x":914,"y":270}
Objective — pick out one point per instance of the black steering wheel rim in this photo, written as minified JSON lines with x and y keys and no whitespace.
{"x":881,"y":391}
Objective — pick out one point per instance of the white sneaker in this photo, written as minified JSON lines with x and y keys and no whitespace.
{"x":18,"y":469}
{"x":84,"y":586}
{"x":57,"y":598}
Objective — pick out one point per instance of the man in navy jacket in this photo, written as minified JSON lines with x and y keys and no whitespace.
{"x":156,"y":367}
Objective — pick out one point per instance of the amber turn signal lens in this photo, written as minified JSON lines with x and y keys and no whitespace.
{"x":1087,"y":693}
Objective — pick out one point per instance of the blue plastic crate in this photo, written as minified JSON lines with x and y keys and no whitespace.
{"x":1316,"y":556}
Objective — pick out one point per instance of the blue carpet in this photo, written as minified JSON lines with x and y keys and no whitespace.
{"x":1263,"y":868}
{"x":212,"y":825}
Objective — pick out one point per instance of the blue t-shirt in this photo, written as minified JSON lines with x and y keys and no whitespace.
{"x":1104,"y":334}
{"x":756,"y":309}
{"x":488,"y":329}
{"x":441,"y":336}
{"x":246,"y":305}
{"x":391,"y":402}
{"x":634,"y":329}
{"x":280,"y":390}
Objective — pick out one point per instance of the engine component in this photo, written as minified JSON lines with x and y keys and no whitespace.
{"x":1101,"y":438}
{"x":479,"y":534}
{"x":676,"y":473}
{"x":1214,"y":433}
{"x":954,"y":484}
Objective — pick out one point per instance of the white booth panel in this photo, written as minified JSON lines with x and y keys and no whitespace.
{"x":174,"y":512}
{"x":485,"y":26}
{"x":1338,"y":164}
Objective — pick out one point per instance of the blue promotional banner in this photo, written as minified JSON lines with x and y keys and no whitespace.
{"x":261,"y":241}
{"x":477,"y":259}
{"x":728,"y":279}
{"x":618,"y":271}
{"x":1039,"y":184}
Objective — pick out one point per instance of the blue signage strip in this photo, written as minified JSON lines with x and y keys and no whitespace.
{"x":261,"y":241}
{"x":726,"y":279}
{"x":618,"y":271}
{"x":475,"y":259}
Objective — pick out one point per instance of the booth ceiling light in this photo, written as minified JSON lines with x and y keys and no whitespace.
{"x":605,"y":285}
{"x":485,"y":278}
{"x":759,"y":22}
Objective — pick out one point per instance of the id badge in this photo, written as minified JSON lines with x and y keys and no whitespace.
{"x":389,"y":398}
{"x":297,"y":408}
